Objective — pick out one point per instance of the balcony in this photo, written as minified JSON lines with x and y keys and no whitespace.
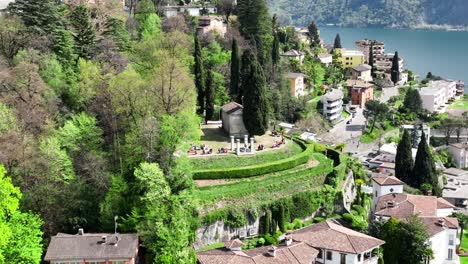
{"x":332,"y":110}
{"x":334,"y":103}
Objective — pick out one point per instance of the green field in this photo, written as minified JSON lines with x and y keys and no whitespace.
{"x":463,"y":260}
{"x":460,"y":104}
{"x":266,"y":187}
{"x":229,"y":161}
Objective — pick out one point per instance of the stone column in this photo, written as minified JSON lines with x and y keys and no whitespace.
{"x":246,"y":140}
{"x":232,"y":143}
{"x":252,"y":145}
{"x":238,"y":147}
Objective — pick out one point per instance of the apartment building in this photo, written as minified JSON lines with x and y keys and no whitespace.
{"x":365,"y":46}
{"x":350,"y":58}
{"x":332,"y":105}
{"x":437,"y":95}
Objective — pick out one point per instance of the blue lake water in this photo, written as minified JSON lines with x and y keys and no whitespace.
{"x":444,"y":53}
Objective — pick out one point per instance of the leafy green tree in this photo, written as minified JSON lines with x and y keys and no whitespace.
{"x":404,"y":159}
{"x":199,"y":72}
{"x":116,"y":30}
{"x":253,"y":18}
{"x":64,"y":47}
{"x":424,"y":171}
{"x":210,"y":97}
{"x":144,"y":9}
{"x":150,"y":27}
{"x":337,"y":43}
{"x":255,"y":102}
{"x":84,"y":33}
{"x":395,"y":75}
{"x":41,"y":17}
{"x":313,"y":34}
{"x":412,"y":102}
{"x":463,"y":222}
{"x":314,"y":70}
{"x":235,"y":70}
{"x":377,"y":111}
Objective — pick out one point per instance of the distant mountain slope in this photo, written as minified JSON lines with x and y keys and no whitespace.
{"x":387,"y":13}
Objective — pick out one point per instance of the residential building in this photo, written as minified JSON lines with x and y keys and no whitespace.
{"x":211,"y":24}
{"x":459,"y":152}
{"x":326,"y":59}
{"x":93,"y":248}
{"x":192,"y":10}
{"x":456,"y":189}
{"x":383,"y":184}
{"x":416,"y":133}
{"x":383,"y":66}
{"x":365,"y":45}
{"x":303,"y":35}
{"x":232,"y":120}
{"x":332,"y":103}
{"x":460,"y":88}
{"x":294,"y":54}
{"x":350,"y":58}
{"x":384,"y":163}
{"x":297,"y":85}
{"x":362,"y":72}
{"x":361,"y":92}
{"x":437,"y":94}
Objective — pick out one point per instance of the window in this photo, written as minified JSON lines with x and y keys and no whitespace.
{"x":376,"y":194}
{"x":329,"y":255}
{"x":450,"y":254}
{"x":359,"y":257}
{"x":391,"y":189}
{"x":451,"y":240}
{"x":320,"y":254}
{"x":343,"y":259}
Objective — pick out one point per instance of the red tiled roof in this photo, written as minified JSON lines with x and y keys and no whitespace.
{"x":435,"y":225}
{"x":233,"y":244}
{"x":387,"y":180}
{"x":401,"y":205}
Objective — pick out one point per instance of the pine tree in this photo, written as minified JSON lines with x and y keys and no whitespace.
{"x":413,"y":101}
{"x":210,"y":96}
{"x":395,"y":69}
{"x":84,"y":33}
{"x":275,"y":52}
{"x":424,"y":171}
{"x":144,"y":9}
{"x":115,"y":29}
{"x":313,"y":34}
{"x":337,"y":44}
{"x":235,"y":71}
{"x":64,"y":47}
{"x":41,"y":17}
{"x":255,"y":103}
{"x":244,"y":74}
{"x":199,"y":72}
{"x":371,"y":59}
{"x":404,"y":159}
{"x":254,"y":18}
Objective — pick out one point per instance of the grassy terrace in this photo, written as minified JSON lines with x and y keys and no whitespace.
{"x":460,"y":104}
{"x":265,"y":188}
{"x":228,"y":161}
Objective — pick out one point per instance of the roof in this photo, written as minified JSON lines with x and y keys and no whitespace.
{"x":333,"y":95}
{"x":460,"y":145}
{"x":358,"y":84}
{"x":324,"y":55}
{"x":346,"y":52}
{"x":386,"y":180}
{"x":90,"y":246}
{"x":293,"y":52}
{"x":402,"y":205}
{"x":231,"y":107}
{"x":233,"y":244}
{"x":296,"y":253}
{"x":457,"y":184}
{"x":333,"y":236}
{"x":435,"y":225}
{"x":456,"y":172}
{"x":362,"y":67}
{"x":293,"y":75}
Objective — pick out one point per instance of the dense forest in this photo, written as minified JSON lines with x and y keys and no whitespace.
{"x":379,"y":13}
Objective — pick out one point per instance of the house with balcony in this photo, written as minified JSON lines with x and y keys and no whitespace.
{"x":459,"y":152}
{"x":296,"y":81}
{"x":365,"y":45}
{"x":383,"y":66}
{"x":437,"y":95}
{"x":460,"y":88}
{"x":332,"y":103}
{"x":91,"y":248}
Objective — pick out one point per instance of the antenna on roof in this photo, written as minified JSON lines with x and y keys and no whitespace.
{"x":115,"y":224}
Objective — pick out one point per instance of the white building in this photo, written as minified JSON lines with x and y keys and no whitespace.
{"x":456,"y":189}
{"x":192,"y":10}
{"x":459,"y":152}
{"x":326,"y":59}
{"x":332,"y":105}
{"x":437,"y":95}
{"x":213,"y":24}
{"x":383,"y":185}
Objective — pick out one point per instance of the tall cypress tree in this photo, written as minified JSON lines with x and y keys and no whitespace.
{"x":235,"y":71}
{"x":413,"y":101}
{"x":313,"y":34}
{"x":371,"y":59}
{"x":424,"y":168}
{"x":255,"y":103}
{"x":395,"y":69}
{"x":245,"y":71}
{"x":84,"y":34}
{"x":337,"y":44}
{"x":253,"y":18}
{"x":404,"y":159}
{"x":210,"y":96}
{"x":275,"y":52}
{"x":199,"y":72}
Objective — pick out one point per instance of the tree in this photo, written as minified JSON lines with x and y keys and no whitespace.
{"x":371,"y":59}
{"x":255,"y":103}
{"x":313,"y":34}
{"x":235,"y":71}
{"x":64,"y":47}
{"x":253,"y":18}
{"x":424,"y":171}
{"x":41,"y":17}
{"x":377,"y":111}
{"x":210,"y":97}
{"x":84,"y":33}
{"x":337,"y":43}
{"x":116,"y":30}
{"x":412,"y":102}
{"x":275,"y":51}
{"x":144,"y":9}
{"x":225,"y":7}
{"x":404,"y":159}
{"x":150,"y":27}
{"x":12,"y":37}
{"x":463,"y":222}
{"x":395,"y":76}
{"x":199,"y":72}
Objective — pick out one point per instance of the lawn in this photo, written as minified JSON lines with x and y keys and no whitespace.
{"x":371,"y":137}
{"x":463,"y":260}
{"x":460,"y":104}
{"x":231,"y":160}
{"x":464,"y":241}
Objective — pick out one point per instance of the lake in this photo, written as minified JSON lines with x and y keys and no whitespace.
{"x":444,"y":53}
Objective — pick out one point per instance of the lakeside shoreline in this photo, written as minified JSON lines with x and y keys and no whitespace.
{"x":429,"y":27}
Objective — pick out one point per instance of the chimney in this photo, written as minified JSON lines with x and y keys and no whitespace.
{"x":103,"y":239}
{"x":441,"y":222}
{"x":80,"y":232}
{"x":391,"y":204}
{"x":288,"y":239}
{"x":272,"y":251}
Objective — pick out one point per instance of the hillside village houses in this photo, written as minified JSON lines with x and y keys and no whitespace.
{"x":361,"y":92}
{"x":459,"y":152}
{"x":437,"y":95}
{"x":350,"y":58}
{"x":297,"y":85}
{"x":294,"y":54}
{"x":325,"y":242}
{"x":332,"y":103}
{"x":362,"y":72}
{"x":326,"y":59}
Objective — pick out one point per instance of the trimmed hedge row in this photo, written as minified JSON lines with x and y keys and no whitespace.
{"x":255,"y":170}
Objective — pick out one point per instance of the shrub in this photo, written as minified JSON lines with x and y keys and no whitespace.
{"x":318,"y":219}
{"x":297,"y":223}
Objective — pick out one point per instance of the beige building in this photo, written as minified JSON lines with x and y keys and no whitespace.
{"x":326,"y":59}
{"x":383,"y":64}
{"x":362,"y":72}
{"x":214,"y":24}
{"x":365,"y":45}
{"x":297,"y":85}
{"x":459,"y":152}
{"x":437,"y":94}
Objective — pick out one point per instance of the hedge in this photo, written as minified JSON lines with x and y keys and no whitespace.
{"x":255,"y":170}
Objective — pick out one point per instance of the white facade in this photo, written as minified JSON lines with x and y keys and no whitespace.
{"x":326,"y":59}
{"x":444,"y":246}
{"x":332,"y":105}
{"x":437,"y":94}
{"x":380,"y":190}
{"x":459,"y":154}
{"x":335,"y":257}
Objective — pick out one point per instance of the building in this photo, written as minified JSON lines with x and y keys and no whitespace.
{"x":383,"y":184}
{"x":297,"y":85}
{"x":303,"y":35}
{"x":460,"y":88}
{"x":361,"y":92}
{"x":294,"y":54}
{"x":362,"y":72}
{"x":332,"y":103}
{"x":350,"y":58}
{"x":365,"y":45}
{"x":192,"y":10}
{"x":459,"y":152}
{"x":211,"y":24}
{"x":383,"y":66}
{"x":437,"y":94}
{"x":416,"y":133}
{"x":384,"y":163}
{"x":326,"y":59}
{"x":456,"y":189}
{"x":233,"y":124}
{"x":93,"y":249}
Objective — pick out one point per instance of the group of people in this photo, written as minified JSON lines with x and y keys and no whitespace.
{"x":278,"y":144}
{"x":204,"y":149}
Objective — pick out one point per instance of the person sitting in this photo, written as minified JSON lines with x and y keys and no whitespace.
{"x":274,"y":133}
{"x":210,"y":151}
